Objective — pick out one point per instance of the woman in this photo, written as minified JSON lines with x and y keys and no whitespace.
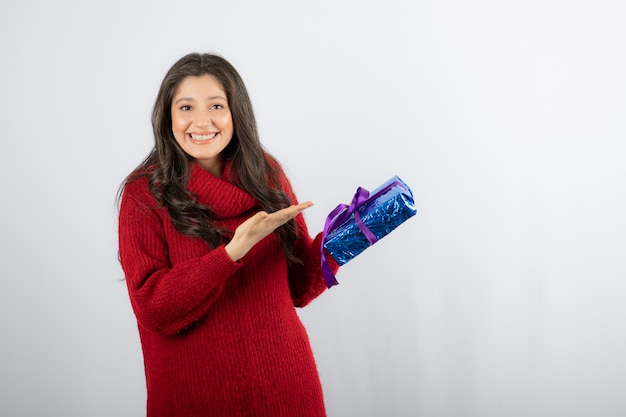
{"x":216,"y":255}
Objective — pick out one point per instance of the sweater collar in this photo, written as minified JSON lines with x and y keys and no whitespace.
{"x":220,"y":194}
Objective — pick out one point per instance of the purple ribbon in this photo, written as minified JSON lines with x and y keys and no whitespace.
{"x":335,"y":219}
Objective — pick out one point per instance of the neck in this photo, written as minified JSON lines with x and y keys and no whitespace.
{"x":214,"y":167}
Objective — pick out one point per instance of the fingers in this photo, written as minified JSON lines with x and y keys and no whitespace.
{"x":280,"y":216}
{"x":293,"y":211}
{"x":250,"y":232}
{"x":262,"y":223}
{"x":283,"y":216}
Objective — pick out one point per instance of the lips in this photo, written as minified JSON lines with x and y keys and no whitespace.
{"x":203,"y":137}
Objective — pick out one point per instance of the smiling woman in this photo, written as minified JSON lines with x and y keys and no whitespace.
{"x":216,"y":255}
{"x":201,"y":121}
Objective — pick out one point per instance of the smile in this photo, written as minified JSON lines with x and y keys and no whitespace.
{"x":203,"y":137}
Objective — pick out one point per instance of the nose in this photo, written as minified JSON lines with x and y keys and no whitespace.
{"x":203,"y":118}
{"x":203,"y":122}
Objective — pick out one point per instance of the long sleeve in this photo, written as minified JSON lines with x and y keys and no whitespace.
{"x":165,"y":298}
{"x":306,"y":281}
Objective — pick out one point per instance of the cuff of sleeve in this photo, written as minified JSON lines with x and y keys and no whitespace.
{"x":221,"y":264}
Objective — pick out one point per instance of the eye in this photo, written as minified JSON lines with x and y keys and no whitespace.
{"x":185,"y":107}
{"x":217,"y":106}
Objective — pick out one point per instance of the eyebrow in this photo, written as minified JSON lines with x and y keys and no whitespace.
{"x":208,"y":99}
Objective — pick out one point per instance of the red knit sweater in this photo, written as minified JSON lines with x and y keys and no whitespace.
{"x":219,"y":338}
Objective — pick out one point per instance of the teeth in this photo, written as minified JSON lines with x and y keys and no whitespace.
{"x":203,"y":137}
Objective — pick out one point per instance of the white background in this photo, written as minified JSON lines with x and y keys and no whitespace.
{"x":504,"y":296}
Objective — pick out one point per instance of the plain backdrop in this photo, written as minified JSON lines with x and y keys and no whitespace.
{"x":504,"y":296}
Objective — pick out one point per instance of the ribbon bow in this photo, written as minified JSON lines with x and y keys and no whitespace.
{"x":336,"y":218}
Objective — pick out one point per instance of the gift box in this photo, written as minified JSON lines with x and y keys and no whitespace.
{"x":350,"y":229}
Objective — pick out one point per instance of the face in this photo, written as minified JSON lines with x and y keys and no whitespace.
{"x":201,"y":121}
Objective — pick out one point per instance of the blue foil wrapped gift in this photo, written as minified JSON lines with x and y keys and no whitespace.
{"x":350,"y":229}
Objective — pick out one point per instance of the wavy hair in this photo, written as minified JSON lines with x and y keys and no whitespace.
{"x":167,"y":166}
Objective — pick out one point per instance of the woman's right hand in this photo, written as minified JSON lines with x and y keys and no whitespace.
{"x":257,"y":227}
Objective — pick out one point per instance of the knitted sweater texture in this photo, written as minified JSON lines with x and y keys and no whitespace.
{"x":219,"y":338}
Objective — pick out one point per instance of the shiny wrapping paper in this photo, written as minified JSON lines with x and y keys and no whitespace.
{"x":351,"y":229}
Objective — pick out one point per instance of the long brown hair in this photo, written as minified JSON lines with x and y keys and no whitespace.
{"x":168,"y":166}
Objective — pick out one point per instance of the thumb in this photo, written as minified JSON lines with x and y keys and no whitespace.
{"x":258,"y":218}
